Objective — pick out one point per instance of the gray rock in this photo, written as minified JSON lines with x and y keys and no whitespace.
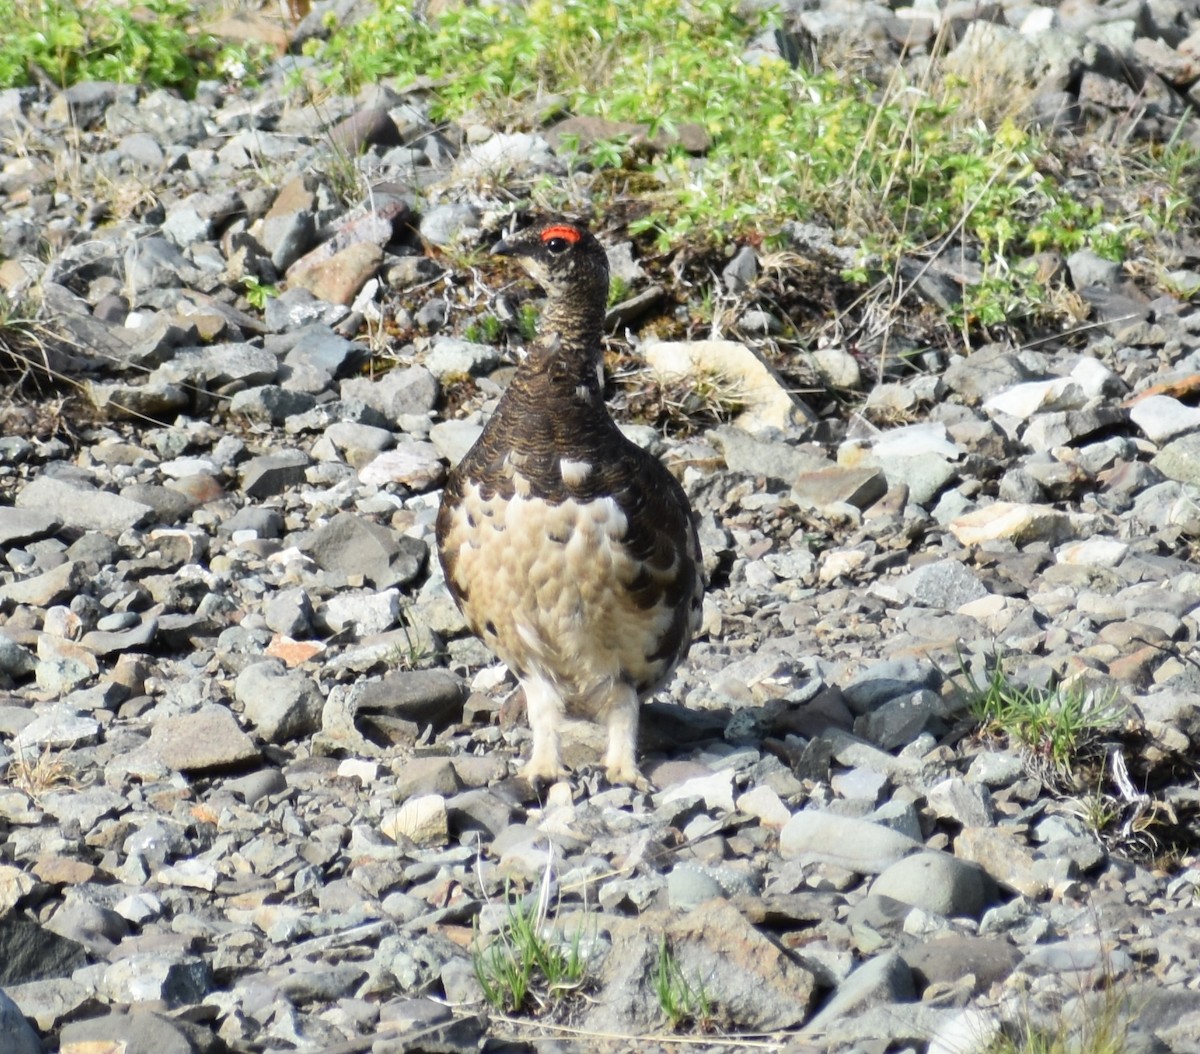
{"x":943,"y":584}
{"x":15,"y":662}
{"x":448,"y":224}
{"x":25,"y":524}
{"x":760,"y":987}
{"x":30,"y":952}
{"x":425,"y":696}
{"x":140,"y":1032}
{"x":279,"y":704}
{"x":272,"y":404}
{"x":882,"y":980}
{"x":741,"y":271}
{"x":397,"y":393}
{"x":1089,"y":268}
{"x":319,"y":348}
{"x":888,"y":679}
{"x":257,"y":785}
{"x":811,"y":836}
{"x":55,"y":586}
{"x":1178,"y":460}
{"x":451,"y":357}
{"x":16,"y":1034}
{"x":224,"y":364}
{"x":271,"y":474}
{"x":966,"y":803}
{"x":58,"y":725}
{"x":350,"y":544}
{"x":109,"y":642}
{"x":295,"y":308}
{"x":689,"y":886}
{"x":151,"y":263}
{"x":289,"y":612}
{"x":207,"y":739}
{"x":938,"y":883}
{"x":1162,"y":417}
{"x":81,"y":505}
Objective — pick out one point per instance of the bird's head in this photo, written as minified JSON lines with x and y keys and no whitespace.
{"x":563,"y":257}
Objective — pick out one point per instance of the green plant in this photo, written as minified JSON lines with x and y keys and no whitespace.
{"x":525,"y":963}
{"x":1056,"y":726}
{"x":682,"y":1001}
{"x":147,"y":43}
{"x":527,"y":321}
{"x":256,"y":292}
{"x":618,"y":290}
{"x":1091,"y":1023}
{"x":915,"y":166}
{"x":487,"y":329}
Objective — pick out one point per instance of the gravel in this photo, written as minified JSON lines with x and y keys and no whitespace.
{"x":257,"y":782}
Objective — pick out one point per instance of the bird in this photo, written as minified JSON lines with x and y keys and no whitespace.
{"x":571,"y":552}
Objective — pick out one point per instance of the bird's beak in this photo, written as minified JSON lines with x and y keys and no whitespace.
{"x":503,"y":248}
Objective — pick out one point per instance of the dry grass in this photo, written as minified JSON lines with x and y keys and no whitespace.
{"x":36,"y":772}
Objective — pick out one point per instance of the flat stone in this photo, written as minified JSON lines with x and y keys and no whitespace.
{"x":57,"y":726}
{"x":1005,"y":855}
{"x":450,"y":357}
{"x":811,"y":836}
{"x":880,"y":981}
{"x":354,"y":545}
{"x":1019,"y":523}
{"x":271,"y":474}
{"x":1163,"y":417}
{"x":30,"y":952}
{"x":823,"y":488}
{"x":25,"y":524}
{"x":944,"y":584}
{"x":761,"y":987}
{"x":207,"y":739}
{"x":418,"y":466}
{"x":56,"y":586}
{"x":81,"y":505}
{"x":137,"y":1032}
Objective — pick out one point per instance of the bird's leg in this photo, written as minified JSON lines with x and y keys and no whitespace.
{"x":620,"y":763}
{"x":545,"y":708}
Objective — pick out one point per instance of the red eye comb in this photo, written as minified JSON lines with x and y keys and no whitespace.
{"x":570,"y":234}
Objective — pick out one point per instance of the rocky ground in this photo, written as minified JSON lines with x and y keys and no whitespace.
{"x":257,"y":786}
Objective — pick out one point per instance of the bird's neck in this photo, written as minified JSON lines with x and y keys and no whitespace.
{"x":575,"y":324}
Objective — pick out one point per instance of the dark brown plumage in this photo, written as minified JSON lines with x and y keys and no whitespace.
{"x":570,"y":550}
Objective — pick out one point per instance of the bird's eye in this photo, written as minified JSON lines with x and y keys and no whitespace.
{"x":557,"y":245}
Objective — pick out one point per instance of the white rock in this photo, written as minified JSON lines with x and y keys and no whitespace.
{"x":190,"y":874}
{"x":766,"y":805}
{"x":14,"y":884}
{"x":927,"y":437}
{"x":366,"y":772}
{"x":1161,"y":417}
{"x":1094,"y":552}
{"x":1032,"y":397}
{"x":421,"y":819}
{"x":838,"y":562}
{"x":369,"y":613}
{"x":1019,"y":523}
{"x":418,"y":466}
{"x":716,"y":790}
{"x":1094,"y":377}
{"x":768,"y":402}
